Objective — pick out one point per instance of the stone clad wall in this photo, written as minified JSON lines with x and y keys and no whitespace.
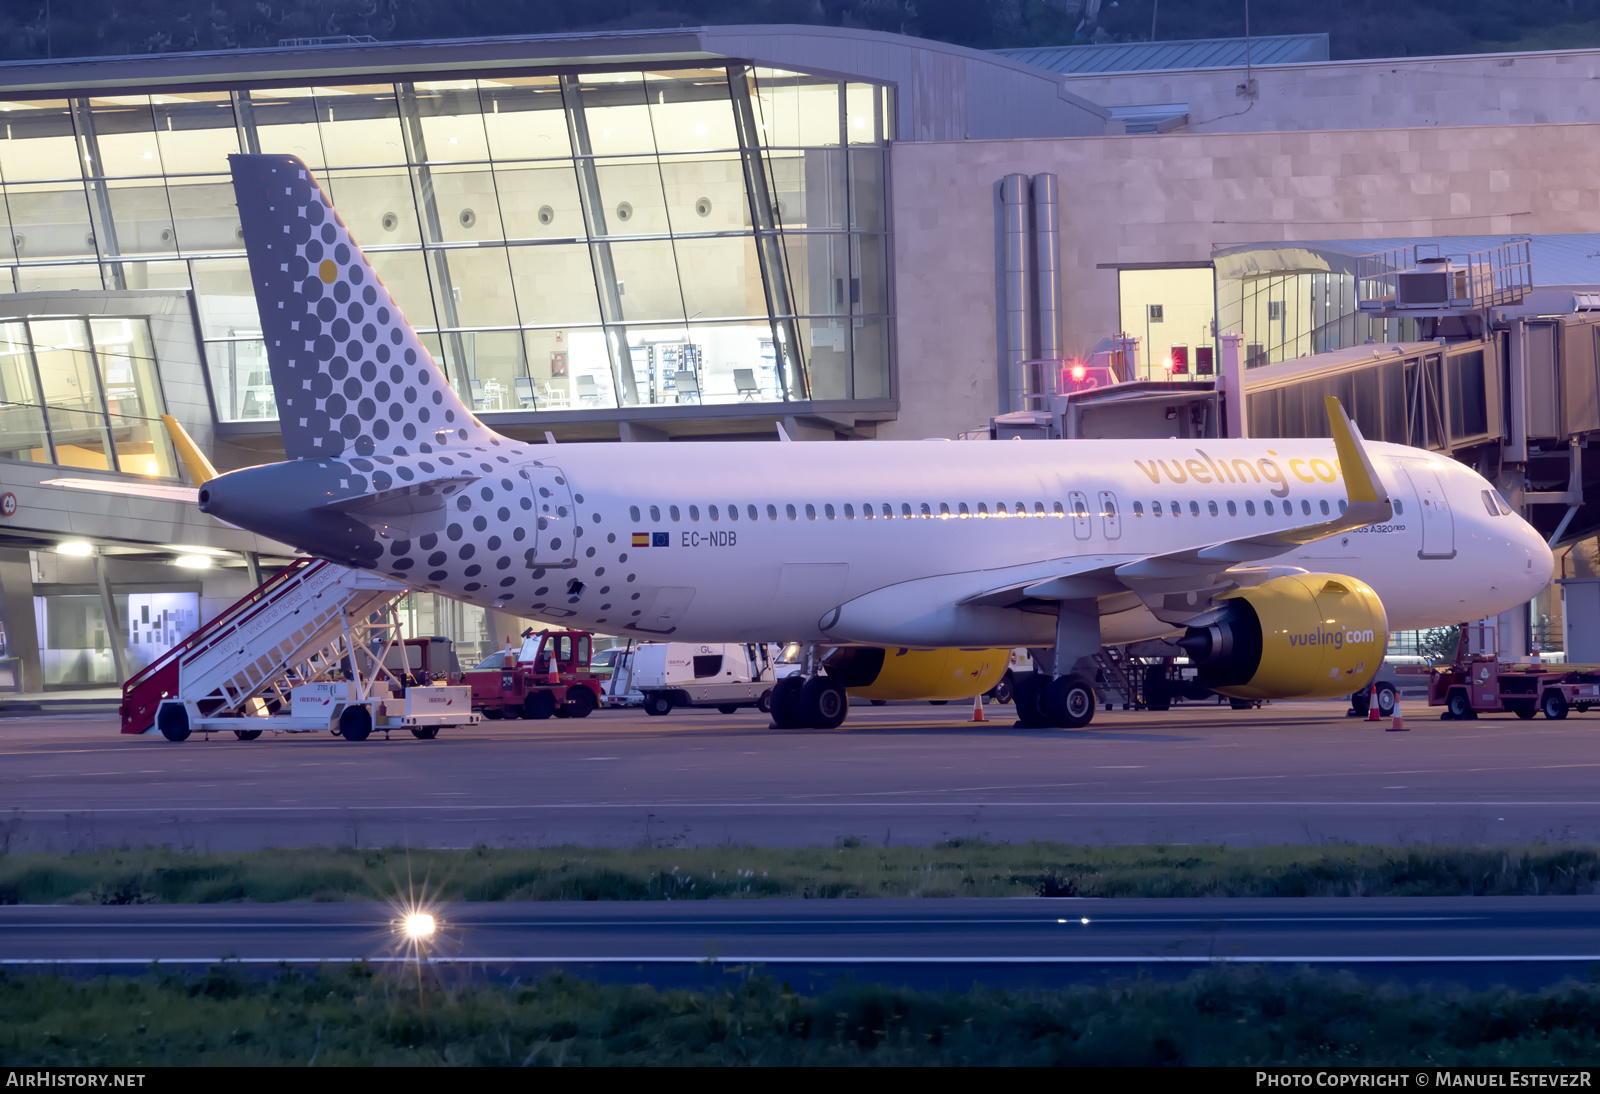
{"x":1176,"y":197}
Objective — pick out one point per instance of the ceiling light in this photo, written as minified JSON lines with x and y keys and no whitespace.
{"x":82,"y":548}
{"x":193,"y":562}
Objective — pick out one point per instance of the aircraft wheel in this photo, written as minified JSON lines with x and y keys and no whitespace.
{"x":1069,"y":701}
{"x":729,"y":708}
{"x":425,"y":733}
{"x":247,"y":734}
{"x":355,"y":723}
{"x":580,"y":702}
{"x":173,"y":721}
{"x":658,"y":703}
{"x":823,"y":703}
{"x":1459,"y":706}
{"x":539,"y":706}
{"x":786,"y":703}
{"x":1004,"y":690}
{"x":1554,"y":705}
{"x":1028,"y":693}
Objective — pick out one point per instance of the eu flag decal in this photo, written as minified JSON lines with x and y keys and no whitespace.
{"x":641,"y":539}
{"x":659,"y":539}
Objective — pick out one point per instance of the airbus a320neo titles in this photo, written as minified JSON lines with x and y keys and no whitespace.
{"x":908,"y":567}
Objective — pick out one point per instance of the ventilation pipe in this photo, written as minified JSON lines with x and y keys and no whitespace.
{"x":1016,"y":281}
{"x":1047,"y":268}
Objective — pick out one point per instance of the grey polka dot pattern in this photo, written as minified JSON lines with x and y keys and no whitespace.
{"x":459,"y":509}
{"x":350,"y":375}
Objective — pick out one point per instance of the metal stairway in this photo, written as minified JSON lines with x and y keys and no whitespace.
{"x":1117,"y":670}
{"x":297,"y":625}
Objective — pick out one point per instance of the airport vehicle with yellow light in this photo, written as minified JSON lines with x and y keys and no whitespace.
{"x":1282,"y":563}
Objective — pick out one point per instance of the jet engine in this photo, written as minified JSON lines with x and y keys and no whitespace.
{"x":876,"y":673}
{"x":1302,"y":636}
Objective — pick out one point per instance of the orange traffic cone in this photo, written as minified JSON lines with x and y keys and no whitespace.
{"x":1372,"y":705}
{"x":977,"y":709}
{"x":1399,"y":723}
{"x":1533,"y":654}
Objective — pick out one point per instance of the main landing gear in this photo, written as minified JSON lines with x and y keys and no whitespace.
{"x":809,"y":700}
{"x":1064,"y":701}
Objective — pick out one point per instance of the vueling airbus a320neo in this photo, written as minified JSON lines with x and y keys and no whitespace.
{"x":908,"y":567}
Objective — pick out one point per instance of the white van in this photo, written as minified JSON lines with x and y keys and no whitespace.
{"x":693,"y":674}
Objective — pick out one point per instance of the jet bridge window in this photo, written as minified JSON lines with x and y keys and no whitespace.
{"x":633,"y":512}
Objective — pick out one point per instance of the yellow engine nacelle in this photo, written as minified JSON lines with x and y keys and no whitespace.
{"x":875,"y":673}
{"x":1303,"y":636}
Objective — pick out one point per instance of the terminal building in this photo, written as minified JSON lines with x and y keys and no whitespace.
{"x":650,"y":236}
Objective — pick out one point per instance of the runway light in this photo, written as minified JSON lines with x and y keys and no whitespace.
{"x":1084,"y":921}
{"x":82,"y":548}
{"x":419,"y":925}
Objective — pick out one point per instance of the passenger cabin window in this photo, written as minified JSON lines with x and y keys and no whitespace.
{"x":772,"y":512}
{"x":1249,"y":508}
{"x":1155,"y":509}
{"x":1233,"y":510}
{"x":1399,"y":507}
{"x":888,"y":511}
{"x":1267,"y":506}
{"x":983,"y":510}
{"x":694,"y":512}
{"x":1212,"y":506}
{"x":633,"y":513}
{"x":1138,"y":508}
{"x":866,"y":511}
{"x":711,"y":511}
{"x":905,"y":510}
{"x":733,"y":512}
{"x":750,"y":511}
{"x":655,"y":513}
{"x":962,"y":511}
{"x":1324,"y":506}
{"x":1057,"y":511}
{"x":849,"y":511}
{"x":926,"y":512}
{"x":811,"y":511}
{"x":1177,"y":510}
{"x":672,"y":511}
{"x":1342,"y":507}
{"x":1305,"y":508}
{"x":790,"y":511}
{"x":827,"y":511}
{"x":944,"y":510}
{"x":1194,"y":509}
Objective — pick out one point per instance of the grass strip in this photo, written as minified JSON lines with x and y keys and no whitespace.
{"x":1220,"y":1016}
{"x":851,"y":869}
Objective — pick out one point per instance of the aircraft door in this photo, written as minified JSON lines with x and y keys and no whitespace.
{"x":1438,"y":523}
{"x":1082,"y":525}
{"x":556,"y":519}
{"x":1110,"y":515}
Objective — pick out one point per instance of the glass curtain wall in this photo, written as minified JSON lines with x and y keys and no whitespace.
{"x":676,"y":236}
{"x":83,"y":393}
{"x":1285,"y":315}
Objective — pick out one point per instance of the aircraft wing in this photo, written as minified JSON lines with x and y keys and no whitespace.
{"x":1180,"y":586}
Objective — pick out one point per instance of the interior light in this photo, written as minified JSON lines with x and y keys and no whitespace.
{"x":82,"y":548}
{"x":419,"y":925}
{"x":148,"y":156}
{"x":1078,"y":372}
{"x":152,"y":468}
{"x":193,"y":562}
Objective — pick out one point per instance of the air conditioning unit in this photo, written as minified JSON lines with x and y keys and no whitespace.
{"x":1434,"y":283}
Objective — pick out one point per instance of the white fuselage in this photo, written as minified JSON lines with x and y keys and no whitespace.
{"x":759,"y":541}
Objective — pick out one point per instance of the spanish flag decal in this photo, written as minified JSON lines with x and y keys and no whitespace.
{"x":641,"y":539}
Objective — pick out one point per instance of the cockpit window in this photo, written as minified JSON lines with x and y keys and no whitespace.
{"x":1505,"y":509}
{"x":1488,"y":503}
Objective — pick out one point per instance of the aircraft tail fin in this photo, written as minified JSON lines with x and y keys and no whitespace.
{"x":351,"y":376}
